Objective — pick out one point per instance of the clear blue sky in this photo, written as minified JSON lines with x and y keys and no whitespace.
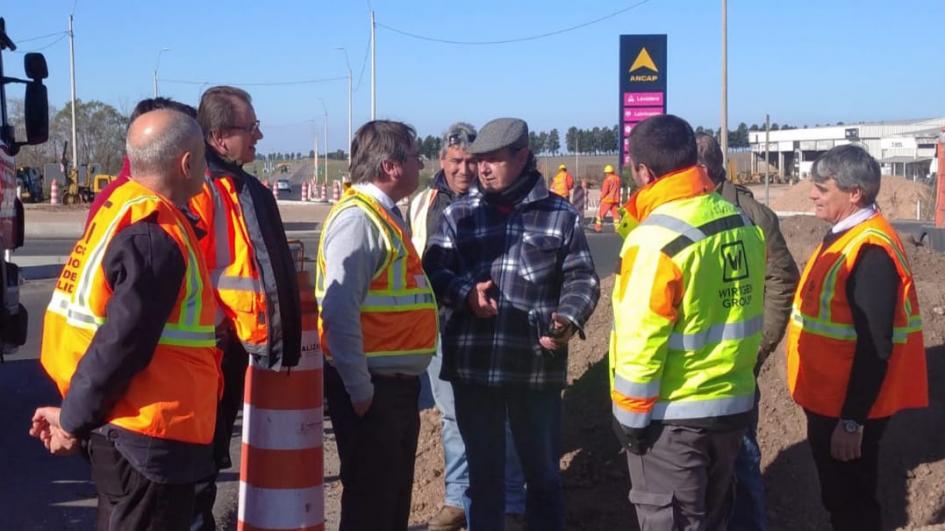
{"x":804,"y":61}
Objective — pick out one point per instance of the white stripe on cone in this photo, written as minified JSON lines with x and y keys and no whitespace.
{"x":272,"y":429}
{"x":281,"y":508}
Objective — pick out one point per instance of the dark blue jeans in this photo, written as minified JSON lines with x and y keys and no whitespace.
{"x":535,"y":420}
{"x":748,"y":512}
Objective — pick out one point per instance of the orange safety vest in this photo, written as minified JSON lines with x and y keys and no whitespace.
{"x":232,"y":263}
{"x":562,"y":184}
{"x":175,"y":396}
{"x":821,"y":339}
{"x":610,"y":189}
{"x":399,"y":313}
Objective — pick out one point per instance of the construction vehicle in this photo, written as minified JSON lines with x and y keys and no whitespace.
{"x":13,"y":318}
{"x":76,"y":189}
{"x":100,"y":181}
{"x":30,"y":182}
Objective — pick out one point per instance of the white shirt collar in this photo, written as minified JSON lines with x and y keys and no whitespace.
{"x":375,"y":192}
{"x":854,"y":219}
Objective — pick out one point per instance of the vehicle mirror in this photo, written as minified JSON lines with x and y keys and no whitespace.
{"x":35,"y":66}
{"x":36,"y":113}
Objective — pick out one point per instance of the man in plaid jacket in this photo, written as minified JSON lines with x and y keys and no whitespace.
{"x":514,"y":278}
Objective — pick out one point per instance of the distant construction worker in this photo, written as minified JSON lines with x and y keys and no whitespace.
{"x":563,"y":182}
{"x":143,"y":106}
{"x":855,"y":352}
{"x":250,"y":263}
{"x":128,"y":338}
{"x":688,"y":310}
{"x":457,"y":175}
{"x":515,"y":281}
{"x":609,"y":198}
{"x":377,"y":328}
{"x":781,"y":275}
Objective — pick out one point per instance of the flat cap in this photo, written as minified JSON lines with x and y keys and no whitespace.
{"x":500,"y":133}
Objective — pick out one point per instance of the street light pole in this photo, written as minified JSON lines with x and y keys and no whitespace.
{"x":348,"y":64}
{"x":724,"y":133}
{"x":373,"y":73}
{"x":326,"y":139}
{"x":75,"y":145}
{"x":157,"y":64}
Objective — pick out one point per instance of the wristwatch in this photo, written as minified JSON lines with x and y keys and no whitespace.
{"x":850,"y":426}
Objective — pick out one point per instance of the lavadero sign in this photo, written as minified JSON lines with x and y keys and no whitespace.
{"x":642,"y":84}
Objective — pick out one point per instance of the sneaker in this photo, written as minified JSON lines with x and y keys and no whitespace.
{"x":448,"y":519}
{"x":515,"y":522}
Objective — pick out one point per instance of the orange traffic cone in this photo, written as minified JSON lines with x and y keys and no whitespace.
{"x":282,"y":468}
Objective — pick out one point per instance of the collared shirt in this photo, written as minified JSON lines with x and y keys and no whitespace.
{"x":854,"y":219}
{"x":537,"y":255}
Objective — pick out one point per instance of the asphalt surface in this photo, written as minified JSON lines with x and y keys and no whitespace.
{"x":40,"y":491}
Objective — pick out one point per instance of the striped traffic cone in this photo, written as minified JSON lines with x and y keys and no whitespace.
{"x":282,"y":468}
{"x":54,"y":192}
{"x":335,"y":191}
{"x":304,"y":190}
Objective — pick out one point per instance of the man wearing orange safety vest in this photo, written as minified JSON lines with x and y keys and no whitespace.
{"x":128,"y":338}
{"x":563,"y":182}
{"x":688,"y":312}
{"x":377,"y":327}
{"x":251,"y":266}
{"x":609,"y":198}
{"x":855,"y":352}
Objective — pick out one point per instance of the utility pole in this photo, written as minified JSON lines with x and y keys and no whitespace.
{"x":348,"y":64}
{"x":75,"y":145}
{"x":724,"y":134}
{"x":767,"y":133}
{"x":315,"y":161}
{"x":157,"y":64}
{"x":373,"y":71}
{"x":577,"y":154}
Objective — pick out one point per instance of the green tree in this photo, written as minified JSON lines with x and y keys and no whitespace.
{"x":608,"y":139}
{"x":533,"y":142}
{"x":554,"y":143}
{"x":542,"y":142}
{"x":100,"y":133}
{"x":311,"y":153}
{"x":571,"y":139}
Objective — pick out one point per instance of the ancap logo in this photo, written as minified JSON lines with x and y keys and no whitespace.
{"x":644,"y":60}
{"x":734,"y":261}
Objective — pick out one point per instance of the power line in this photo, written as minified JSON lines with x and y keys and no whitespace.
{"x":367,"y":51}
{"x":39,"y":37}
{"x":63,"y":36}
{"x":254,"y":84}
{"x":517,"y":39}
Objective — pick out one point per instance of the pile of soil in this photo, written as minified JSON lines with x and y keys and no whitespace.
{"x":912,"y":471}
{"x":897,"y":197}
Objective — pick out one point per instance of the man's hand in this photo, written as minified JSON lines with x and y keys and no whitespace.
{"x":846,"y":446}
{"x":45,"y":427}
{"x":361,"y":408}
{"x":480,"y":302}
{"x":561,"y":332}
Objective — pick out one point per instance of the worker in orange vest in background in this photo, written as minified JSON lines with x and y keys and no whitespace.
{"x":563,"y":182}
{"x":609,"y":198}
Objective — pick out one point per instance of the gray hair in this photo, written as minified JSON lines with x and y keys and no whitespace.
{"x":460,"y":135}
{"x":376,"y":142}
{"x":161,"y":153}
{"x":218,"y":107}
{"x":851,"y":167}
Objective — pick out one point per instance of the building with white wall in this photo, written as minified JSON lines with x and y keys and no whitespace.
{"x":904,"y":147}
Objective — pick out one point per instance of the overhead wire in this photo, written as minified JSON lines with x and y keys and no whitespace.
{"x":41,"y":48}
{"x":516,"y":39}
{"x":255,"y":84}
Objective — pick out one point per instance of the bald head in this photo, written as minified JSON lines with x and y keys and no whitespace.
{"x":165,"y":149}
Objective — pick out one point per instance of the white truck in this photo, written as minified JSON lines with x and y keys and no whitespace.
{"x":13,"y":318}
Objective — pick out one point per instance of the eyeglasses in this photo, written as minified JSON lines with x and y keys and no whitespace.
{"x":251,"y":128}
{"x":457,"y":139}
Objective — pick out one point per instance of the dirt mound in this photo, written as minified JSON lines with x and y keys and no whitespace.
{"x":897,"y":197}
{"x":912,"y":475}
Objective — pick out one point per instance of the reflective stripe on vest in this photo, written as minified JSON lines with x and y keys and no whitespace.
{"x":822,"y":338}
{"x":175,"y":395}
{"x":706,"y":369}
{"x":399,"y":305}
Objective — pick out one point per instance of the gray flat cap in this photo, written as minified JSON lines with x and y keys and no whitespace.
{"x":500,"y":133}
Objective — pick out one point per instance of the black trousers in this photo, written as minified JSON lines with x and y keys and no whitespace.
{"x":233,"y":366}
{"x":377,"y":452}
{"x":848,"y":489}
{"x":128,"y":500}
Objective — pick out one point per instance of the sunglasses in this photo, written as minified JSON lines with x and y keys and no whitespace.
{"x":457,"y":138}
